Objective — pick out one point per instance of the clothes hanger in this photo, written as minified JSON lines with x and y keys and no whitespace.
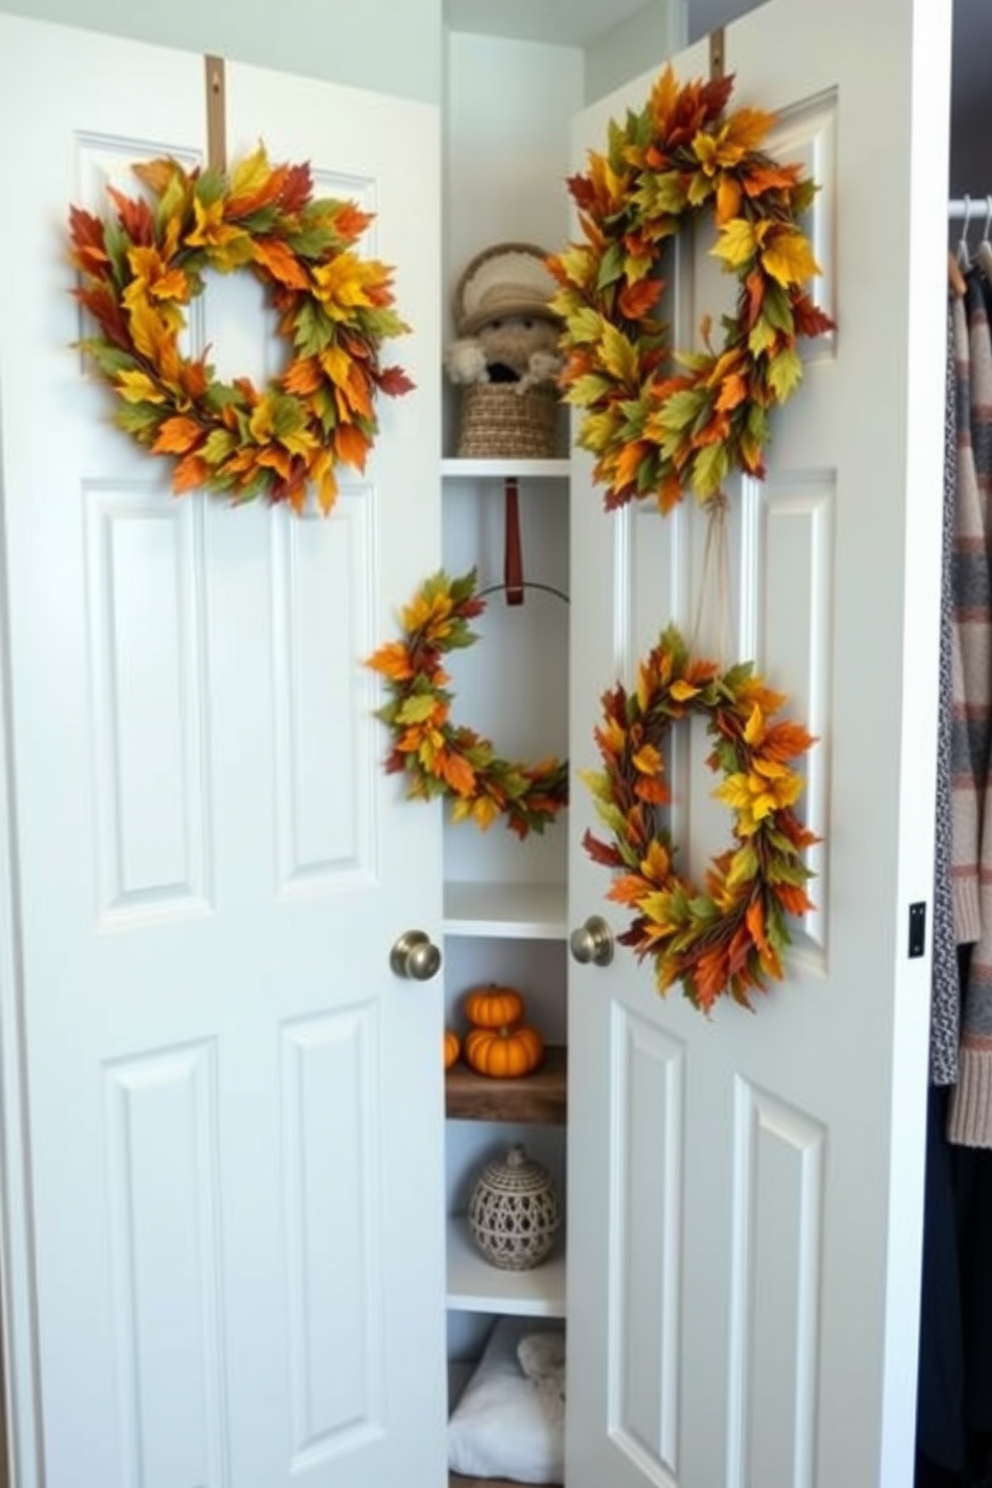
{"x":984,"y":251}
{"x":959,"y":263}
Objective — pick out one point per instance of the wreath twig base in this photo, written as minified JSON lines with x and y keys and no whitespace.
{"x":442,"y":758}
{"x":728,"y":937}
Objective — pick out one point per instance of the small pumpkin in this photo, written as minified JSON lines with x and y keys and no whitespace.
{"x":493,"y":1006}
{"x":503,"y":1053}
{"x":452,"y":1047}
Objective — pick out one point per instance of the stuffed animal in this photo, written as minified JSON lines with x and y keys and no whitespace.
{"x":507,"y":331}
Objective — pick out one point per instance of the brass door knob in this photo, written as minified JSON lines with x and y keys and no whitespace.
{"x":415,"y":956}
{"x":592,"y":942}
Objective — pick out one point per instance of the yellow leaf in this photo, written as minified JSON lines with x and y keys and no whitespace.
{"x":250,"y":173}
{"x":682,"y":691}
{"x":138,"y":387}
{"x":788,"y":258}
{"x":618,"y":355}
{"x":736,"y":244}
{"x":647,"y":760}
{"x":485,"y":811}
{"x":754,"y":729}
{"x":747,"y":127}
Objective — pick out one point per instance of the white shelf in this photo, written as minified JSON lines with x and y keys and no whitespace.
{"x":506,"y":911}
{"x":475,"y":1286}
{"x":524,"y":469}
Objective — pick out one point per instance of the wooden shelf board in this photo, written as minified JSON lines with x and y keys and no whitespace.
{"x":475,"y":1286}
{"x":540,"y":1098}
{"x":455,"y":1480}
{"x":523,"y":469}
{"x":506,"y":910}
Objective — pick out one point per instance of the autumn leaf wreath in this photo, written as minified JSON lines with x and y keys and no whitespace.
{"x":144,"y":264}
{"x":658,"y":432}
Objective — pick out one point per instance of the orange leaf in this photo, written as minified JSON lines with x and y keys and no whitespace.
{"x":351,"y":446}
{"x":190,"y":472}
{"x":637,"y":300}
{"x":755,"y":917}
{"x":785,"y":740}
{"x":303,"y":377}
{"x":630,"y":890}
{"x":732,"y":393}
{"x":793,"y":899}
{"x":281,"y":263}
{"x":629,"y":462}
{"x":770,"y":178}
{"x":458,"y":773}
{"x":176,"y":436}
{"x":393,"y":661}
{"x":728,"y":199}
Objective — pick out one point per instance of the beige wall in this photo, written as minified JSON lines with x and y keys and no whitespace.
{"x":389,"y":46}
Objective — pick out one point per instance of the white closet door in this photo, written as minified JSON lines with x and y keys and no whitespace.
{"x":231,"y":1104}
{"x":746,"y":1191}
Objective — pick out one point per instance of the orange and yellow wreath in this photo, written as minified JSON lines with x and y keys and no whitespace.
{"x":656,"y":429}
{"x":144,"y":264}
{"x":442,"y":758}
{"x":728,"y":937}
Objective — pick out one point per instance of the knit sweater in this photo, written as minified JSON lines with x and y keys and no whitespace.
{"x":970,"y":1113}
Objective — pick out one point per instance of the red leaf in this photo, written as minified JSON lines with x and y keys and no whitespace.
{"x":135,"y":217}
{"x":295,"y":188}
{"x":394,"y":382}
{"x":601,"y":852}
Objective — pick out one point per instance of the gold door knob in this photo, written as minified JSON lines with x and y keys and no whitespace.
{"x":415,"y":956}
{"x":593,"y":942}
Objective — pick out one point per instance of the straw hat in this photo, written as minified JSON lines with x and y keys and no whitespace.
{"x":506,"y":279}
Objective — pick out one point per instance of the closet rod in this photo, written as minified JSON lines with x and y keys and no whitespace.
{"x":962,"y":206}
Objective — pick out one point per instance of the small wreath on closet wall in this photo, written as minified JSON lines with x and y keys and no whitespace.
{"x":656,"y":432}
{"x":143,"y":264}
{"x":438,"y":756}
{"x":729,"y":937}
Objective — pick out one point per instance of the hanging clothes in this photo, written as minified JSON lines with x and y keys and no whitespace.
{"x":970,"y":1113}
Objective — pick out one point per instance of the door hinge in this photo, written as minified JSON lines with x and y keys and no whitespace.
{"x":918,"y":928}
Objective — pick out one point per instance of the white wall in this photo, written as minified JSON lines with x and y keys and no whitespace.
{"x":641,"y":42}
{"x":389,"y":46}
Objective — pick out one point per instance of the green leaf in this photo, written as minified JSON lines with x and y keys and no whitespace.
{"x":709,"y":469}
{"x":611,"y":268}
{"x":762,"y":337}
{"x":681,"y":409}
{"x":416,"y":708}
{"x":785,"y":372}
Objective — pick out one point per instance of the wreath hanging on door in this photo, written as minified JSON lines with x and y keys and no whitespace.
{"x":656,"y":432}
{"x":442,"y":758}
{"x":143,"y":265}
{"x":728,"y":937}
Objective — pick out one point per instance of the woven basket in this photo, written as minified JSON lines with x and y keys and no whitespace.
{"x":497,"y":422}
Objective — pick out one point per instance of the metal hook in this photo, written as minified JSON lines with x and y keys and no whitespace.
{"x":964,"y":255}
{"x":988,"y":219}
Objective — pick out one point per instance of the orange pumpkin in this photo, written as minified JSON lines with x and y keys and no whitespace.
{"x":504,"y":1053}
{"x":494,"y":1006}
{"x":452,"y":1047}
